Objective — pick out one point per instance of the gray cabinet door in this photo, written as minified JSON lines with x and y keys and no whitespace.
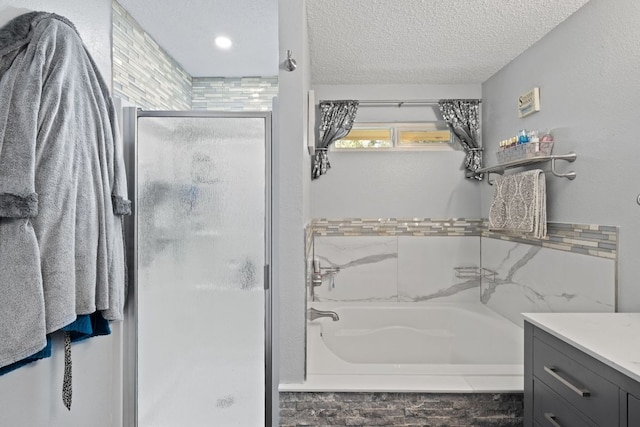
{"x":633,"y":411}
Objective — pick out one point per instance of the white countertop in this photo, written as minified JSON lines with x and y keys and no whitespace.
{"x":612,"y":338}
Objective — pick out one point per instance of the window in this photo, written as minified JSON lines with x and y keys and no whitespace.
{"x":401,"y":136}
{"x":365,"y":137}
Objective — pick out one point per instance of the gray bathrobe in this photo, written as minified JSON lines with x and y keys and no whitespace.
{"x":62,"y":186}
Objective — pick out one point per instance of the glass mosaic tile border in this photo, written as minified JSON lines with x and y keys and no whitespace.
{"x":144,"y":73}
{"x":234,"y":93}
{"x":397,"y":227}
{"x":147,"y":76}
{"x":586,"y":239}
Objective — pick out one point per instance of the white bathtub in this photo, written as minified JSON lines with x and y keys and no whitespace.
{"x":430,"y":347}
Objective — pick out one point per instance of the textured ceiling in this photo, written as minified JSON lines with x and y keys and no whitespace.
{"x":355,"y":41}
{"x":186,"y":29}
{"x":424,"y":41}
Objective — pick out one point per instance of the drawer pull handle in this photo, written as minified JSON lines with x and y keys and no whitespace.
{"x":579,"y":391}
{"x":552,"y":419}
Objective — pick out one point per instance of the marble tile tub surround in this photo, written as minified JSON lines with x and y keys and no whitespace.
{"x":397,"y":282}
{"x":401,"y":409}
{"x":520,"y":278}
{"x":367,"y":268}
{"x":450,"y":256}
{"x":398,"y":268}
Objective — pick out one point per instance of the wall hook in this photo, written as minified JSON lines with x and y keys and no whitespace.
{"x":290,"y":63}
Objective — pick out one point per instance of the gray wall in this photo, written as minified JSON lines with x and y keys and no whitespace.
{"x":399,"y":184}
{"x":31,"y":396}
{"x":587,"y":71}
{"x":291,"y":190}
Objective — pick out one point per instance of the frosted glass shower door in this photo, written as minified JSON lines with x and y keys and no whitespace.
{"x":202,"y":247}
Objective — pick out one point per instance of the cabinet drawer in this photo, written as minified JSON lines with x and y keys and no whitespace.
{"x":550,"y":410}
{"x":587,"y":391}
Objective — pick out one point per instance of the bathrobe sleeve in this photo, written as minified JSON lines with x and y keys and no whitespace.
{"x":20,"y":100}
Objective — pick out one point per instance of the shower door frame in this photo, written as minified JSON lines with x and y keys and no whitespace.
{"x":130,"y":116}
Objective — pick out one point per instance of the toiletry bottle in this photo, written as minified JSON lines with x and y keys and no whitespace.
{"x":523,"y":136}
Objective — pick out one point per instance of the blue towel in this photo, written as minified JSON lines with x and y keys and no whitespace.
{"x":85,"y":326}
{"x":42,"y":354}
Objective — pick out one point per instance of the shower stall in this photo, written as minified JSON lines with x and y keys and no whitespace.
{"x":198,"y":331}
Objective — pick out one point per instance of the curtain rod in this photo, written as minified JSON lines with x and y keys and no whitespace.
{"x":401,"y":103}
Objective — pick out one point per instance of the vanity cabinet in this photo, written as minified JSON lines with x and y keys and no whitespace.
{"x":565,"y":386}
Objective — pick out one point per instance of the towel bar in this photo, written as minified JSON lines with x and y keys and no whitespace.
{"x":499,"y":169}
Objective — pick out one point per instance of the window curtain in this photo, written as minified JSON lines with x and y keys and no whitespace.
{"x":336,"y":120}
{"x":463,"y":118}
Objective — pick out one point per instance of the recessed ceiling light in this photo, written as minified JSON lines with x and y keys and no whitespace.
{"x":223,"y":42}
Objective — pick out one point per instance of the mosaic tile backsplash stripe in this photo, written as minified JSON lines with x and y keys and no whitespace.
{"x":234,"y":93}
{"x":397,"y":227}
{"x":594,"y":240}
{"x":143,"y":73}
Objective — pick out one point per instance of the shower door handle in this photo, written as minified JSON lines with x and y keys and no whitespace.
{"x":267,"y":277}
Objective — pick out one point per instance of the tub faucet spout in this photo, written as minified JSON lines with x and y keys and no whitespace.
{"x":315,"y":314}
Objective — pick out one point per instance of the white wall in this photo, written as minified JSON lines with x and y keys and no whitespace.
{"x":404,"y":184}
{"x":587,"y":71}
{"x":291,"y":189}
{"x":31,"y":396}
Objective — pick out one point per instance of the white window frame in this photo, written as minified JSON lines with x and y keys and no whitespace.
{"x":396,"y":128}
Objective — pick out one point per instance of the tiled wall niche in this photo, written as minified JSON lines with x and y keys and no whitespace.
{"x":429,"y":260}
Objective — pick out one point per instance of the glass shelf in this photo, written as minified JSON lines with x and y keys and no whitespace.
{"x":499,"y":169}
